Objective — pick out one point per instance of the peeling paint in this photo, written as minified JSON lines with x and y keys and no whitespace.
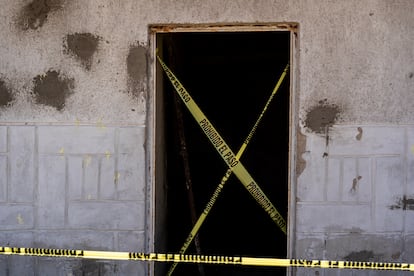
{"x":322,"y":116}
{"x":6,"y":96}
{"x":82,"y":46}
{"x":35,"y":14}
{"x":52,"y":89}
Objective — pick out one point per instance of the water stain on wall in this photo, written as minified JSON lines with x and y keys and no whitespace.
{"x":404,"y":203}
{"x":35,"y":14}
{"x":322,"y":116}
{"x":52,"y":89}
{"x":136,"y":68}
{"x":6,"y":96}
{"x":82,"y":46}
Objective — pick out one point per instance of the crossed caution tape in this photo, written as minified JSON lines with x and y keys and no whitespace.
{"x":228,"y":156}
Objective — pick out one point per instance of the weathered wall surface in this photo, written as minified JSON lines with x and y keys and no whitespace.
{"x":73,"y":109}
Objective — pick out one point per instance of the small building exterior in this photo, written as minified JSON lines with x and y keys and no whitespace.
{"x":79,"y":157}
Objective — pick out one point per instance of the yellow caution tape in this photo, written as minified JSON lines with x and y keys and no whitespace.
{"x":226,"y":176}
{"x":224,"y":150}
{"x":206,"y":259}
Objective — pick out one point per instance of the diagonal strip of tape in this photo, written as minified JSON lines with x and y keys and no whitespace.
{"x":224,"y":150}
{"x":206,"y":259}
{"x":226,"y":176}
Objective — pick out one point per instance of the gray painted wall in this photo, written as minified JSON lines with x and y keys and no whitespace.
{"x":75,"y":88}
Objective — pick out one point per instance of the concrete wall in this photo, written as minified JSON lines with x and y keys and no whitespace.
{"x":74,"y":96}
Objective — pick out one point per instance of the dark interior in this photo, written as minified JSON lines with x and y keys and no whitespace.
{"x":230,"y":75}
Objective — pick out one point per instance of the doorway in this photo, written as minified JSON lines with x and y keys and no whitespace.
{"x":230,"y":75}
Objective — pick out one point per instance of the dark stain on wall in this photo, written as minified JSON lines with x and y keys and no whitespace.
{"x":355,"y":183}
{"x":322,"y":116}
{"x":136,"y":67}
{"x":360,"y":256}
{"x":35,"y":14}
{"x":6,"y":96}
{"x":82,"y":46}
{"x":404,"y":203}
{"x":359,"y":135}
{"x":52,"y":89}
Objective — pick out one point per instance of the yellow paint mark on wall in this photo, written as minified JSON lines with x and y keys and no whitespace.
{"x":116,"y":178}
{"x":19,"y":219}
{"x":107,"y":154}
{"x":77,"y":122}
{"x":412,"y":149}
{"x":62,"y":151}
{"x":100,"y":124}
{"x":87,"y":161}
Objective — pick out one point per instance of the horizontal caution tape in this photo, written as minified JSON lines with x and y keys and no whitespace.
{"x":205,"y":259}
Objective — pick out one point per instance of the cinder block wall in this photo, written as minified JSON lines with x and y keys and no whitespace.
{"x":75,"y":128}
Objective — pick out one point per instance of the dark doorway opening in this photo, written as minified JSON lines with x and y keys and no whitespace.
{"x":230,"y":75}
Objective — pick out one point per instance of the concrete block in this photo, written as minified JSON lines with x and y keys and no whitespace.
{"x":17,"y":238}
{"x":131,"y":140}
{"x":410,"y":162}
{"x":21,"y":157}
{"x":4,"y":266}
{"x":75,"y":177}
{"x":57,"y":266}
{"x":90,"y":177}
{"x":108,"y":179}
{"x":374,"y":141}
{"x":131,"y":178}
{"x":51,"y":198}
{"x":356,"y":179}
{"x":407,"y":255}
{"x":107,"y":215}
{"x":333,"y":181}
{"x":16,"y":217}
{"x":131,"y":241}
{"x":132,"y":268}
{"x":310,"y":247}
{"x":19,"y":265}
{"x":3,"y":177}
{"x":76,"y":139}
{"x":3,"y":139}
{"x":76,"y":239}
{"x":389,"y":183}
{"x":333,"y":218}
{"x":357,"y":247}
